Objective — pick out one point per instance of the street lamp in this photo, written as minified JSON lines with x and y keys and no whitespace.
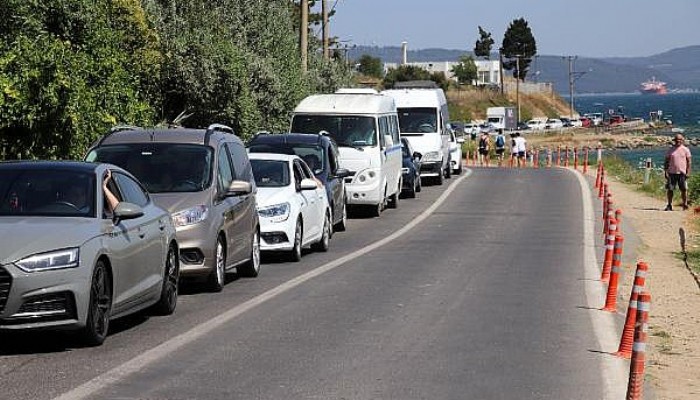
{"x":573,"y":77}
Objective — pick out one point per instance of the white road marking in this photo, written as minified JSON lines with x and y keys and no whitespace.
{"x":613,"y":369}
{"x":134,"y":365}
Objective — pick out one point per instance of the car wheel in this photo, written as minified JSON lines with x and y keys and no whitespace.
{"x":376,"y":211}
{"x":325,"y":242}
{"x":171,"y":278}
{"x":342,"y":224}
{"x":217,"y":278}
{"x":99,"y":308}
{"x":295,"y":254}
{"x":251,"y":268}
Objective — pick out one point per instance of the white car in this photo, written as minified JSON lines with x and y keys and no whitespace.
{"x":456,"y":152}
{"x":292,"y":205}
{"x":554,"y":123}
{"x":536,"y":124}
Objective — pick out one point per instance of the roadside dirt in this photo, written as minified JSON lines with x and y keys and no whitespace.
{"x":673,"y":354}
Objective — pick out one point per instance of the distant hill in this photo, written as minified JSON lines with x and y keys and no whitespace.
{"x":680,"y":68}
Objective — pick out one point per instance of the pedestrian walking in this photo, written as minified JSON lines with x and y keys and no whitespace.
{"x":484,"y":148}
{"x":676,"y":171}
{"x":513,"y":151}
{"x":521,"y":149}
{"x":500,"y":146}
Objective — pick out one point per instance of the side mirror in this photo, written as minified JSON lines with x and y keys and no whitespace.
{"x":239,"y":188}
{"x":417,"y":156}
{"x":125,"y":211}
{"x":342,"y":173}
{"x":308,"y":184}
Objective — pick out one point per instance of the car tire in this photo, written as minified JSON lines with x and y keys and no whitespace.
{"x":394,"y":198}
{"x":376,"y":210}
{"x":325,"y":242}
{"x":217,"y":278}
{"x":251,"y":268}
{"x":99,"y":307}
{"x":171,"y":279}
{"x":295,"y":253}
{"x":342,"y":224}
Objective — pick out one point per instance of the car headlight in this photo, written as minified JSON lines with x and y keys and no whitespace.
{"x":190,"y":216}
{"x":58,"y":259}
{"x":366,"y":177}
{"x":276,"y":213}
{"x":432,"y":156}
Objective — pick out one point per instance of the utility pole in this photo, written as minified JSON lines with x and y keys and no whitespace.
{"x":500,"y":68}
{"x":573,"y":77}
{"x":326,"y":34}
{"x":517,"y":83}
{"x":304,"y":35}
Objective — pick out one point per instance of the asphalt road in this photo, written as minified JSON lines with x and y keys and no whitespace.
{"x":481,"y":296}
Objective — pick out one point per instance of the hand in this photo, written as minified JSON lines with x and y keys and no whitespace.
{"x":108,"y":176}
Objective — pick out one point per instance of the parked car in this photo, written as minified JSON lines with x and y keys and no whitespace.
{"x":204,"y":179}
{"x":536,"y":124}
{"x":586,"y":122}
{"x":522,"y":126}
{"x":292,"y":205}
{"x":320,"y":152}
{"x":456,"y":152}
{"x":576,"y":122}
{"x":615,"y":119}
{"x":70,"y":261}
{"x":554,"y":123}
{"x":410,"y":169}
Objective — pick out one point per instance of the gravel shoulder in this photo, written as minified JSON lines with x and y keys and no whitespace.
{"x":673,"y":354}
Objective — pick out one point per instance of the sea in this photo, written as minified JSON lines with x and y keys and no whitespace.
{"x":682,"y":109}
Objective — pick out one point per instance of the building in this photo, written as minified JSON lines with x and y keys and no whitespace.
{"x":488,"y":72}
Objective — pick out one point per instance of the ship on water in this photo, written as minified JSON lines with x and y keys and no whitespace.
{"x":653,"y":87}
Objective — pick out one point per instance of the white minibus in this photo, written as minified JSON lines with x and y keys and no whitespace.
{"x":366,"y":128}
{"x":424,"y":121}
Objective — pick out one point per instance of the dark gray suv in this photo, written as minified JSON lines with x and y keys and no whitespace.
{"x":204,"y":179}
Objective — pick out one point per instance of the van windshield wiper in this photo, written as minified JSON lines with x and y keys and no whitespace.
{"x":351,"y":145}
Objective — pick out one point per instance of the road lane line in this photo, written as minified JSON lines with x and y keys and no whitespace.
{"x":134,"y":365}
{"x":613,"y":369}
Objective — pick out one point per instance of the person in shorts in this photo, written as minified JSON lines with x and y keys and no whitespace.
{"x":676,"y":171}
{"x":520,"y":147}
{"x":500,"y":143}
{"x":484,"y":148}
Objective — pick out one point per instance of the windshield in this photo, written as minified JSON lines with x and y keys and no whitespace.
{"x":270,"y":173}
{"x":352,"y":131}
{"x":161,"y":167}
{"x":417,"y":120}
{"x":314,"y":156}
{"x":47,"y":192}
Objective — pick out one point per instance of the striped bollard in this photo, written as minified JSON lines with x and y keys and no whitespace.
{"x":609,"y":250}
{"x":607,"y":212}
{"x":549,"y":157}
{"x":635,"y":385}
{"x":558,"y":155}
{"x":618,"y":217}
{"x":585,"y":160}
{"x":597,"y":175}
{"x":566,"y":156}
{"x":575,"y":158}
{"x":627,"y":339}
{"x":611,"y":298}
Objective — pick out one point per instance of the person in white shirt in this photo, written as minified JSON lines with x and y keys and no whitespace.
{"x":521,"y":147}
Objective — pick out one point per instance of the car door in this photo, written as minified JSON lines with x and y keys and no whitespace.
{"x":138,"y":247}
{"x":336,"y":184}
{"x":308,"y":202}
{"x":246,"y":213}
{"x":228,"y":208}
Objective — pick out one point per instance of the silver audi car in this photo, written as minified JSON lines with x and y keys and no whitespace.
{"x":82,"y":244}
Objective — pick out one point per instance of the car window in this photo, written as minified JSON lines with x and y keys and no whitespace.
{"x":161,"y":167}
{"x":270,"y":173}
{"x":346,"y":130}
{"x":298,"y":175}
{"x":332,"y":158}
{"x":394,"y":127}
{"x":130,"y":190}
{"x":418,"y":120}
{"x":224,"y":175}
{"x":47,"y":192}
{"x":241,"y":163}
{"x":383,"y":130}
{"x":308,"y":174}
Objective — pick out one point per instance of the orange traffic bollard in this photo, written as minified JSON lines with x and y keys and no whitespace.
{"x":558,"y":155}
{"x":611,"y":298}
{"x":585,"y":160}
{"x":602,"y":184}
{"x":609,"y":249}
{"x":566,"y":156}
{"x":618,"y":217}
{"x":597,"y":175}
{"x":635,"y":385}
{"x":627,"y":339}
{"x":575,"y":158}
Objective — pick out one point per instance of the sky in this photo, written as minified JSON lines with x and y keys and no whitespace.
{"x":588,"y":28}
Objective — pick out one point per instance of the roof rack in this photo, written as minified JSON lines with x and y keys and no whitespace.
{"x":118,"y":128}
{"x":216,"y":128}
{"x":416,"y":85}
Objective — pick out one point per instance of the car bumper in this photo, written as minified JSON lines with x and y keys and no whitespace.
{"x":277,"y":236}
{"x":197,"y":244}
{"x":47,"y":299}
{"x":431,"y":168}
{"x":365,"y":194}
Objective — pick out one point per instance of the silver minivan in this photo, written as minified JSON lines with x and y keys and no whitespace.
{"x":204,"y":179}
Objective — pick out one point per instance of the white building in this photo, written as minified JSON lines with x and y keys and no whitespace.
{"x":487,"y":71}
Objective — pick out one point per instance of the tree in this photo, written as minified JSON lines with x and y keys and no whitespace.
{"x":465,"y":70}
{"x":482,"y":48}
{"x":518,"y":48}
{"x":406,"y":73}
{"x":370,"y":66}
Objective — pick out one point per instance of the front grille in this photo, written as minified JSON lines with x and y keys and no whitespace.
{"x":5,"y":285}
{"x":274,"y":237}
{"x":44,"y":308}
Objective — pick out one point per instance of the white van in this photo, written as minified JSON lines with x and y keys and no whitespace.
{"x":424,"y":121}
{"x":366,"y":128}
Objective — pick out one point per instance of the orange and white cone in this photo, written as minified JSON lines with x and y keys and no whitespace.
{"x":635,"y":385}
{"x":611,"y":298}
{"x":627,"y":339}
{"x":609,"y":249}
